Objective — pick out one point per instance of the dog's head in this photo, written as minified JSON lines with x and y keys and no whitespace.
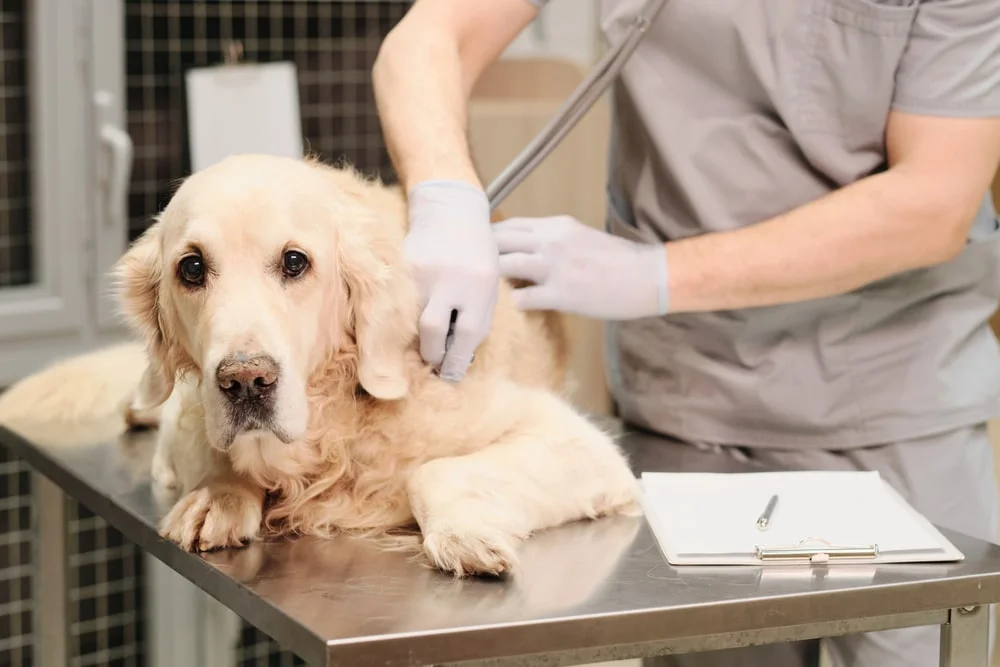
{"x":257,"y":273}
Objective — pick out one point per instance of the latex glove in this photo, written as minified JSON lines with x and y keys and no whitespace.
{"x":579,"y":269}
{"x":451,"y":249}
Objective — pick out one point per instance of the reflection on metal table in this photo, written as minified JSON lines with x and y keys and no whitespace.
{"x":585,"y":592}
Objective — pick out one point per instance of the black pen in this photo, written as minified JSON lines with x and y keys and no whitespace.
{"x":764,"y":519}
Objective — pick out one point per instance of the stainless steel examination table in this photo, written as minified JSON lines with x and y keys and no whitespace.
{"x":586,"y":592}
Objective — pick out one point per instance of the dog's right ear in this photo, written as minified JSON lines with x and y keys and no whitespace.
{"x":153,"y":388}
{"x":137,"y":277}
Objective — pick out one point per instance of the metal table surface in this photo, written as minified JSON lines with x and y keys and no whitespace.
{"x":586,"y":592}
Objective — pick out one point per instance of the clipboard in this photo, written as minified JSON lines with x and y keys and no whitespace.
{"x":821,"y":517}
{"x":242,"y":107}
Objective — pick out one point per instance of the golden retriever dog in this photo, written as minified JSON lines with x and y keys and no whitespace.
{"x":279,"y":321}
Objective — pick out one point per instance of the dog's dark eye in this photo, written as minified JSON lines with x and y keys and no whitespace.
{"x":191,"y":270}
{"x":294,"y":263}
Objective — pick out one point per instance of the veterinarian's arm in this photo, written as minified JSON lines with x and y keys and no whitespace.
{"x":917,"y":213}
{"x":423,"y":75}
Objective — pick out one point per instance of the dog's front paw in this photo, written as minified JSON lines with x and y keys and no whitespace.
{"x":475,"y":552}
{"x":214,"y":517}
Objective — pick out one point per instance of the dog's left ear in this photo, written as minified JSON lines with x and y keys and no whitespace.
{"x":383,"y":303}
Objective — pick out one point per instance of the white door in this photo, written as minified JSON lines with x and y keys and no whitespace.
{"x":52,"y":192}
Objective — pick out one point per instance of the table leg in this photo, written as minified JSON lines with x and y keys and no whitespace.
{"x":965,"y":638}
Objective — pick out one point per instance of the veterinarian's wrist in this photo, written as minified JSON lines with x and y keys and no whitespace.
{"x":444,"y":188}
{"x":449,"y":207}
{"x":657,"y":257}
{"x":642,"y":288}
{"x":638,"y":284}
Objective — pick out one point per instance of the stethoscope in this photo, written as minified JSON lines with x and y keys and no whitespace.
{"x":574,"y":108}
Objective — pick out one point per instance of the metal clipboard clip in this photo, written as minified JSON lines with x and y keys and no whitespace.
{"x":232,"y":54}
{"x":574,"y":108}
{"x":815,"y":550}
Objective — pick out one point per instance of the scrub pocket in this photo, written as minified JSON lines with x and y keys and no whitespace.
{"x":639,"y":354}
{"x":619,"y":221}
{"x":848,"y":53}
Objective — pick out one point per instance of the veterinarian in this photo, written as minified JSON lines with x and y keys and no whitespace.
{"x":800,"y":256}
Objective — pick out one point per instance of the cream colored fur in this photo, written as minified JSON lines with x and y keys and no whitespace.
{"x":371,"y":440}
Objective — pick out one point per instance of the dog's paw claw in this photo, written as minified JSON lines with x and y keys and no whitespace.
{"x":209,"y":519}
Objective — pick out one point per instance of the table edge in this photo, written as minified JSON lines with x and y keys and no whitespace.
{"x":634,"y":627}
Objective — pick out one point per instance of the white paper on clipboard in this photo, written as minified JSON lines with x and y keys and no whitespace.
{"x":243,"y":108}
{"x":710,"y":518}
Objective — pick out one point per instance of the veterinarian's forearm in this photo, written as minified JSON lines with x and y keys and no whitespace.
{"x":915,"y":214}
{"x":867,"y":231}
{"x":421,"y":100}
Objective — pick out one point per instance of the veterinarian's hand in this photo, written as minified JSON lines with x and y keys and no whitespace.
{"x":581,"y":270}
{"x":451,"y":249}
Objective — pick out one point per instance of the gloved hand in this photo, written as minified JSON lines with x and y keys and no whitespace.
{"x":581,"y":270}
{"x":454,"y":257}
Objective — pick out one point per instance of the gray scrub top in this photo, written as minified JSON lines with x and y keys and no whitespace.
{"x":733,"y":111}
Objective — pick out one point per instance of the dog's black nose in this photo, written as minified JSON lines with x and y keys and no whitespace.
{"x":244,"y":377}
